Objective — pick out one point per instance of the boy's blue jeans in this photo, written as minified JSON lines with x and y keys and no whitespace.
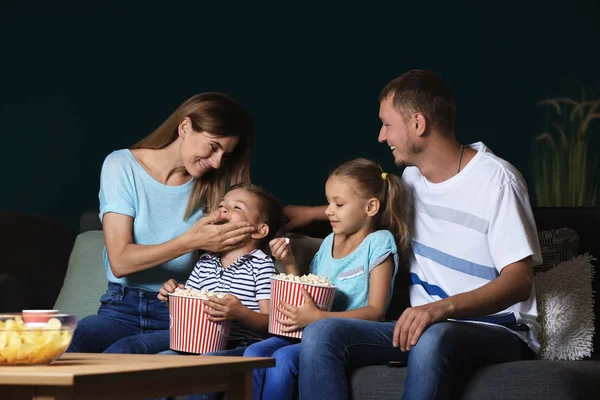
{"x":128,"y":321}
{"x":278,"y":382}
{"x":333,"y":345}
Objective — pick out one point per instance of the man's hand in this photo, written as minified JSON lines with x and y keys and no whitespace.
{"x":299,"y":317}
{"x":414,"y":321}
{"x":227,"y":308}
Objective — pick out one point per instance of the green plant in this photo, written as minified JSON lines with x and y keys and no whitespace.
{"x":565,"y":171}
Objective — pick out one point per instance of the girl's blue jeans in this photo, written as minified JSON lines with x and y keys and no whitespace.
{"x":278,"y":382}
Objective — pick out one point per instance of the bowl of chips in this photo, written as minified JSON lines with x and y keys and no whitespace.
{"x":34,"y":344}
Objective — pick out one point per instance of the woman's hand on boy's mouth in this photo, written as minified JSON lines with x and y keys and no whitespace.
{"x":207,"y":235}
{"x":227,"y":308}
{"x":298,"y":317}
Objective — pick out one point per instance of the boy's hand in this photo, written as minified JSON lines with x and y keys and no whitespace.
{"x":299,"y":317}
{"x":227,"y":308}
{"x":168,"y":287}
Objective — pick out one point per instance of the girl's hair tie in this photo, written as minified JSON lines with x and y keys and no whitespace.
{"x":384,"y":176}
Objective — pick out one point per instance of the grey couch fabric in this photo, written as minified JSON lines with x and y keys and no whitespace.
{"x":531,"y":380}
{"x":538,"y":379}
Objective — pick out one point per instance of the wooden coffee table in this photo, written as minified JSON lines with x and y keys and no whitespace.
{"x":128,"y":376}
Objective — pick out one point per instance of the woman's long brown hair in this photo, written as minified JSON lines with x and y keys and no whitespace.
{"x":219,"y":115}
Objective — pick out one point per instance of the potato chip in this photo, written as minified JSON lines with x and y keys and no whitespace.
{"x":22,"y":344}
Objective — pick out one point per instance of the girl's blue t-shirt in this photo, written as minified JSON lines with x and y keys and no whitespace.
{"x":350,"y":274}
{"x":157,"y":211}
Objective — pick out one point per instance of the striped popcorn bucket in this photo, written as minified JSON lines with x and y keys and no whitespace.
{"x":191,"y":331}
{"x":291,"y":293}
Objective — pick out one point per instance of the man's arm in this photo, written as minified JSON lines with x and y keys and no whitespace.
{"x":511,"y":287}
{"x":299,"y":216}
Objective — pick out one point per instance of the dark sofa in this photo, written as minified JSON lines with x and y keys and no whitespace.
{"x":38,"y":252}
{"x":35,"y":254}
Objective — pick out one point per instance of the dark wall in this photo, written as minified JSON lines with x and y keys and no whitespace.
{"x":81,"y":80}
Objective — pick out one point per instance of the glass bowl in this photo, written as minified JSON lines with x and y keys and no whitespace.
{"x":36,"y":343}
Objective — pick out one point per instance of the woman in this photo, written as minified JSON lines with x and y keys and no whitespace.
{"x":152,"y":203}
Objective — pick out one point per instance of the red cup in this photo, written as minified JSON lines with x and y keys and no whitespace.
{"x":190,"y":329}
{"x":290,"y":292}
{"x":38,"y":317}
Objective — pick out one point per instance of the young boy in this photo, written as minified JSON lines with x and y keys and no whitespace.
{"x":243,"y":273}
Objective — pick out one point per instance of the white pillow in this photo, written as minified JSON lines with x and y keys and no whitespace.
{"x":566,"y":309}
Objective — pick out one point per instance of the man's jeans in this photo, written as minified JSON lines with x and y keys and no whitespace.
{"x":330,"y":346}
{"x":128,"y":321}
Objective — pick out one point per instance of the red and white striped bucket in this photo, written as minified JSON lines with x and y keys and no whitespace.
{"x":290,"y":292}
{"x":190,"y":329}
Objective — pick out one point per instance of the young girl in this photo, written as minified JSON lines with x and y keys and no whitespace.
{"x":360,"y":257}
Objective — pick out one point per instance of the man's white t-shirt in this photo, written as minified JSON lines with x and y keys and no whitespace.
{"x":466,"y":229}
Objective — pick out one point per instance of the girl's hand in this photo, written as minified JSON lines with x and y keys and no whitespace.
{"x":227,"y":308}
{"x":168,"y":287}
{"x":217,"y":238}
{"x":299,"y":317}
{"x":281,"y":250}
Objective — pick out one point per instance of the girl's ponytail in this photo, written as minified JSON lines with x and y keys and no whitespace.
{"x":393,"y":217}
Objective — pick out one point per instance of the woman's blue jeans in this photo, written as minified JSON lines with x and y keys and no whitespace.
{"x":128,"y":321}
{"x":278,"y":382}
{"x":332,"y":346}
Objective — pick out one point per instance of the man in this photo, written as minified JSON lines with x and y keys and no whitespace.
{"x":473,"y":244}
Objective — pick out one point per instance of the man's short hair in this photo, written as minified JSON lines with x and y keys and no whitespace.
{"x":424,"y":92}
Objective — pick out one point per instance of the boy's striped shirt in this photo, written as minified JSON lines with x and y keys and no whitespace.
{"x":248,"y":278}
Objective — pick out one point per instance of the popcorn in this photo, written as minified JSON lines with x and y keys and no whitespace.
{"x":311,"y":279}
{"x":198,"y":294}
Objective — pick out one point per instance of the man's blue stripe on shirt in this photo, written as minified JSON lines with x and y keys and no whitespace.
{"x":433,"y":290}
{"x":455,"y":263}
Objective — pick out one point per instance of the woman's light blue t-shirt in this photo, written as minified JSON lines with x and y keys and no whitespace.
{"x":157,"y":211}
{"x":350,"y":274}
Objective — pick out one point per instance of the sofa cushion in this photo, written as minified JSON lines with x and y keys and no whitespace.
{"x":533,"y":380}
{"x":566,"y":309}
{"x":522,"y":380}
{"x":557,"y":245}
{"x":14,"y":294}
{"x":86,"y":280}
{"x":377,"y":382}
{"x":35,"y":250}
